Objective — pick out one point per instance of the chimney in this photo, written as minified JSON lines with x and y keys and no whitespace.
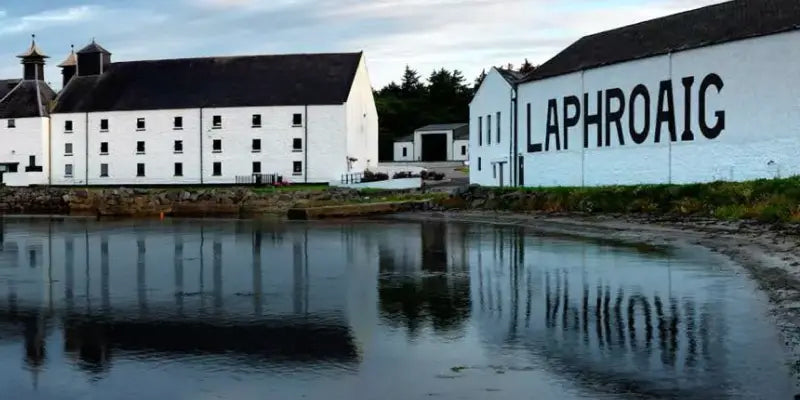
{"x":69,"y":67}
{"x":33,"y":62}
{"x":93,"y":60}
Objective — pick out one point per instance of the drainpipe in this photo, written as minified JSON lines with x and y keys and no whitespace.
{"x":50,"y":150}
{"x":305,"y":145}
{"x":515,"y":155}
{"x":201,"y":145}
{"x":86,"y":145}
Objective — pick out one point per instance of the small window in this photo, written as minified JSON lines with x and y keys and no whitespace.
{"x":297,"y":144}
{"x":498,"y":127}
{"x":12,"y":168}
{"x":216,"y":121}
{"x":103,"y":170}
{"x":217,"y":169}
{"x":32,"y":167}
{"x":178,"y":169}
{"x":177,"y":147}
{"x":140,"y":126}
{"x":297,"y":168}
{"x":12,"y":123}
{"x":494,"y":171}
{"x":216,"y":146}
{"x":103,"y":125}
{"x":405,"y":151}
{"x":256,"y":167}
{"x":488,"y":129}
{"x":480,"y":131}
{"x":139,"y":147}
{"x":463,"y":150}
{"x":140,"y":169}
{"x":256,"y":120}
{"x":67,"y":149}
{"x":256,"y":145}
{"x":31,"y":161}
{"x":479,"y":163}
{"x":297,"y":120}
{"x":103,"y":147}
{"x":68,"y":126}
{"x":177,"y":123}
{"x":68,"y":171}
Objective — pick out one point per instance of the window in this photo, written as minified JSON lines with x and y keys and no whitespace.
{"x":216,"y":121}
{"x":103,"y":170}
{"x":139,"y":147}
{"x":479,"y":163}
{"x":103,"y":147}
{"x":68,"y":171}
{"x":256,"y":145}
{"x":31,"y":161}
{"x":463,"y":150}
{"x":140,"y":169}
{"x":297,"y":120}
{"x":32,"y":167}
{"x":498,"y":127}
{"x":216,"y":146}
{"x":256,"y":120}
{"x":177,"y":124}
{"x":140,"y":126}
{"x":256,"y":167}
{"x":67,"y":149}
{"x":488,"y":129}
{"x":68,"y":126}
{"x":103,"y":125}
{"x":217,"y":169}
{"x":178,"y":169}
{"x":177,"y":147}
{"x":494,"y":171}
{"x":480,"y":131}
{"x":297,"y":168}
{"x":12,"y":123}
{"x":297,"y":144}
{"x":12,"y":168}
{"x":405,"y":151}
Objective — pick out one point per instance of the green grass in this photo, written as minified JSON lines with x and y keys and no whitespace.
{"x":767,"y":200}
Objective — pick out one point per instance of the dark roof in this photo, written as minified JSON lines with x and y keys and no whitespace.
{"x":509,"y":75}
{"x":33,"y":52}
{"x":716,"y":24}
{"x":299,"y":79}
{"x":6,"y":85}
{"x":28,"y":98}
{"x":70,"y":61}
{"x":441,"y":127}
{"x":405,"y":139}
{"x":92,"y":48}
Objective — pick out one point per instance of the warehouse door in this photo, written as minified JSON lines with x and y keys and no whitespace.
{"x":434,"y":147}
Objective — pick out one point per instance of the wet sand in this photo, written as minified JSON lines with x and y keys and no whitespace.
{"x":768,"y":253}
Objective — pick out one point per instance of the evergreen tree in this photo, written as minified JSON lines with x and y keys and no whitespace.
{"x":527,"y":67}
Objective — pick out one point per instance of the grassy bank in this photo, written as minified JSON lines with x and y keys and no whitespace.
{"x":767,"y":200}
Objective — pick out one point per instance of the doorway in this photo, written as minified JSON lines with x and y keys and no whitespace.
{"x":434,"y":147}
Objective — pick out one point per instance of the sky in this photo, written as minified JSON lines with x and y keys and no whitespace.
{"x":468,"y":35}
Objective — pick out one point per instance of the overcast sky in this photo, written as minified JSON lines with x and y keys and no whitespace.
{"x":469,"y":35}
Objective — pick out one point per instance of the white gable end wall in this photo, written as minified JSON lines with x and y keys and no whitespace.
{"x":493,"y":97}
{"x":749,"y":95}
{"x":398,"y":151}
{"x":362,"y":122}
{"x":29,"y":137}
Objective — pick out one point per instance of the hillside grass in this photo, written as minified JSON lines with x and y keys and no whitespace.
{"x":766,"y":200}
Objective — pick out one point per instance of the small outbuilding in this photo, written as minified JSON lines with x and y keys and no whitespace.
{"x":432,"y":143}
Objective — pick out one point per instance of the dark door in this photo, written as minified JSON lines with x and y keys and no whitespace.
{"x":521,"y":171}
{"x":434,"y":147}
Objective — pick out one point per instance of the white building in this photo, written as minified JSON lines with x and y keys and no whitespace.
{"x":492,"y":129}
{"x":438,"y":142}
{"x":306,"y":117}
{"x":24,"y":123}
{"x":705,"y":95}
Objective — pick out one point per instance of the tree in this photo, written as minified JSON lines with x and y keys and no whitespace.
{"x":527,"y":67}
{"x":479,"y":80}
{"x":411,"y":85}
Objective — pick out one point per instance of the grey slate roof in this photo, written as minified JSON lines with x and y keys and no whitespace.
{"x":460,"y":131}
{"x":6,"y":85}
{"x":405,"y":139}
{"x":25,"y":99}
{"x":716,"y":24}
{"x":510,"y":76}
{"x":93,"y":48}
{"x":269,"y":80}
{"x":441,"y":127}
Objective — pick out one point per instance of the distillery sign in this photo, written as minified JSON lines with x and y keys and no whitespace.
{"x":624,"y":119}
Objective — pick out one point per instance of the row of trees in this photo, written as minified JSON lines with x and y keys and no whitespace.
{"x":442,"y":98}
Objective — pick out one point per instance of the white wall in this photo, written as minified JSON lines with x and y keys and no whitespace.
{"x":493,"y":96}
{"x":398,"y":151}
{"x":29,"y":137}
{"x":362,"y":122}
{"x":391,"y":184}
{"x":58,"y":157}
{"x":458,"y":145}
{"x":418,"y":143}
{"x":759,"y":99}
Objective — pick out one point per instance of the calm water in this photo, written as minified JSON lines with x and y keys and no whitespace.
{"x":371,"y":310}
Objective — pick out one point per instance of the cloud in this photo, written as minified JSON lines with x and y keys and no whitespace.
{"x":44,"y":20}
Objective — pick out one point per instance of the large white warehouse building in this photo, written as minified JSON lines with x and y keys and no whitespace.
{"x":219,"y":120}
{"x":705,"y":95}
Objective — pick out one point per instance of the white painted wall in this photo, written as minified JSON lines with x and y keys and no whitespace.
{"x":398,"y":151}
{"x":418,"y":143}
{"x":493,"y":96}
{"x":391,"y":184}
{"x":362,"y":121}
{"x":29,"y":137}
{"x":460,"y":150}
{"x":761,"y":138}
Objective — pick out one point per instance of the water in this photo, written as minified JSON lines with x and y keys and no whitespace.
{"x":193,"y":309}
